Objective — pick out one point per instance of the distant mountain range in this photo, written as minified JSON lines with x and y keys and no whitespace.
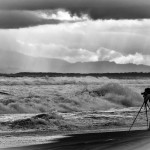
{"x":13,"y":62}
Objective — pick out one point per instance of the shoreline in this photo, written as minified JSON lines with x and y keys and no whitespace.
{"x":104,"y":140}
{"x":28,"y":138}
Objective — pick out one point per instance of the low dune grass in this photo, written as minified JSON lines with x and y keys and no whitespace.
{"x":119,"y":94}
{"x":29,"y":95}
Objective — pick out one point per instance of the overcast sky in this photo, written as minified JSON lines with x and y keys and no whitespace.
{"x":77,"y":30}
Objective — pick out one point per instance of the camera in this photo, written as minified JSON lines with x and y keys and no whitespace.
{"x":146,"y":92}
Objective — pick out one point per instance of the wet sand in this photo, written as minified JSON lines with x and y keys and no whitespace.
{"x":121,"y":140}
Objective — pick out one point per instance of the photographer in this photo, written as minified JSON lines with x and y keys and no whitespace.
{"x":146,"y":95}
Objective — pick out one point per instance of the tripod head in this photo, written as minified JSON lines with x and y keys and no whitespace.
{"x":146,"y":92}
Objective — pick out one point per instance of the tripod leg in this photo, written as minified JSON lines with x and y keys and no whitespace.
{"x":147,"y":115}
{"x":148,"y":106}
{"x":136,"y":116}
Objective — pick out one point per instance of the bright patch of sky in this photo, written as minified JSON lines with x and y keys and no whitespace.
{"x":79,"y":38}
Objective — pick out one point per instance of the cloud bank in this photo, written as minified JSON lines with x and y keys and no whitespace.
{"x":25,"y":13}
{"x":17,"y":19}
{"x":97,"y":9}
{"x":13,"y":19}
{"x":123,"y":41}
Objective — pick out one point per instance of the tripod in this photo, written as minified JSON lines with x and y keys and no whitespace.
{"x":145,"y":105}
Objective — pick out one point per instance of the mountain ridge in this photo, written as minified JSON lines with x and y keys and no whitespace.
{"x":13,"y":62}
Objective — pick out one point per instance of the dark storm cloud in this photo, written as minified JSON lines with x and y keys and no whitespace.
{"x":97,"y":9}
{"x":20,"y":19}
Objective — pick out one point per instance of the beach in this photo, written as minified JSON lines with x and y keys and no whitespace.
{"x":124,"y":140}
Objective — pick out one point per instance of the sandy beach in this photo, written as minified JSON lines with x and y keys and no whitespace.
{"x":124,"y":140}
